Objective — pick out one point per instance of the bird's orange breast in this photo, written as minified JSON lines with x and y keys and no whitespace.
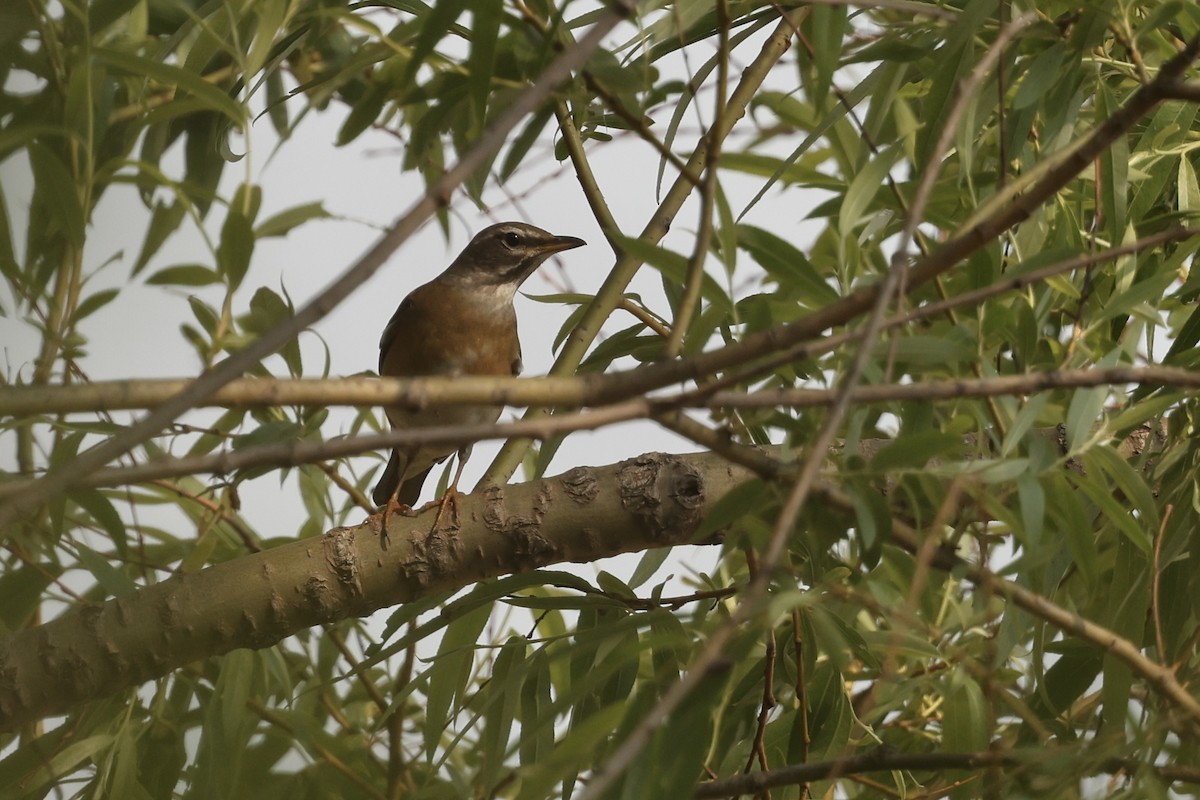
{"x":443,"y":329}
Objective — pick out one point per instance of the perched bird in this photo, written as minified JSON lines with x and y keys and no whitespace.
{"x":460,"y":323}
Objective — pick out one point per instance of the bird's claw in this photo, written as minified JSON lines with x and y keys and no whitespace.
{"x":449,"y":500}
{"x":393,"y":506}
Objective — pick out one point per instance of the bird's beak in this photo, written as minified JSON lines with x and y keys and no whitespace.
{"x":560,"y":243}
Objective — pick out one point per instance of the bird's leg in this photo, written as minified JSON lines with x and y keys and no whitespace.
{"x":394,"y":506}
{"x":450,"y":496}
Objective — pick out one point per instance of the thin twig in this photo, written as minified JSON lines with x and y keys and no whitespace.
{"x":664,"y":410}
{"x":885,"y":759}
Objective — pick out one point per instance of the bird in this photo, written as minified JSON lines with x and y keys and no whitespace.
{"x":460,"y":323}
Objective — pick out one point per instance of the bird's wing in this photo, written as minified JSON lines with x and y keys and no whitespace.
{"x":390,"y":330}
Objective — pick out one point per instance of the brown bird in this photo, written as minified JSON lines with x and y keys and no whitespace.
{"x":460,"y":323}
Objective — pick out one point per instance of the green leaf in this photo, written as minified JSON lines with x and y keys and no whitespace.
{"x":649,"y":564}
{"x":674,"y":269}
{"x":481,"y":63}
{"x":184,"y":275}
{"x":827,"y":25}
{"x":111,"y":579}
{"x":54,"y":185}
{"x":164,"y":220}
{"x":577,"y":747}
{"x":1069,"y":677}
{"x":523,"y":141}
{"x":1131,"y":483}
{"x":1186,"y":188}
{"x":21,"y":593}
{"x":863,"y":188}
{"x":236,"y":248}
{"x":1114,"y":172}
{"x":873,"y":520}
{"x":105,"y":514}
{"x":1085,"y":410}
{"x":1032,"y":499}
{"x":1116,"y":513}
{"x":966,"y":723}
{"x":282,"y":223}
{"x":675,"y":757}
{"x":787,"y":265}
{"x":537,"y":740}
{"x":8,"y":258}
{"x":68,"y":759}
{"x":433,"y":27}
{"x":1044,"y":71}
{"x":830,"y":717}
{"x":208,"y":94}
{"x":450,"y":671}
{"x":911,"y":450}
{"x":503,"y":695}
{"x":949,"y":64}
{"x":94,"y":302}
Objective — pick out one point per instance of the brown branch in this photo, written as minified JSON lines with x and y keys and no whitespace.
{"x":958,"y":388}
{"x":582,"y":515}
{"x":664,"y":410}
{"x":296,"y":453}
{"x":886,"y":759}
{"x":1183,"y":90}
{"x":577,"y":392}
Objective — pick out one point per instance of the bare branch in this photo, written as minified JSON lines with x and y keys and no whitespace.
{"x":885,"y":759}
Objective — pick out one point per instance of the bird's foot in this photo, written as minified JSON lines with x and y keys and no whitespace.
{"x":393,"y":506}
{"x":447,"y":502}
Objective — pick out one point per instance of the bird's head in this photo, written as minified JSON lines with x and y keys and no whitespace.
{"x":508,"y":253}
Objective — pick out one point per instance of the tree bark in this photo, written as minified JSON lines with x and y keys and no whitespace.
{"x":653,"y":500}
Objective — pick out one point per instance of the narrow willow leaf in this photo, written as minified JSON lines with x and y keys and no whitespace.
{"x":94,"y":302}
{"x":1114,"y":173}
{"x":1043,"y":72}
{"x":57,"y":190}
{"x":485,"y":29}
{"x":434,"y":26}
{"x":1186,"y":189}
{"x":164,"y":220}
{"x":827,"y":25}
{"x":449,"y":674}
{"x":236,"y":247}
{"x":170,"y":75}
{"x":285,"y":221}
{"x":579,"y":746}
{"x":114,"y":582}
{"x":863,"y":188}
{"x":502,"y":698}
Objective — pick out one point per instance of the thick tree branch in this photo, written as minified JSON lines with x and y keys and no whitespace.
{"x":651,"y":501}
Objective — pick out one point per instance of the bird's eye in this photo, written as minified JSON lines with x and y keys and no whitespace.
{"x":511,"y":239}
